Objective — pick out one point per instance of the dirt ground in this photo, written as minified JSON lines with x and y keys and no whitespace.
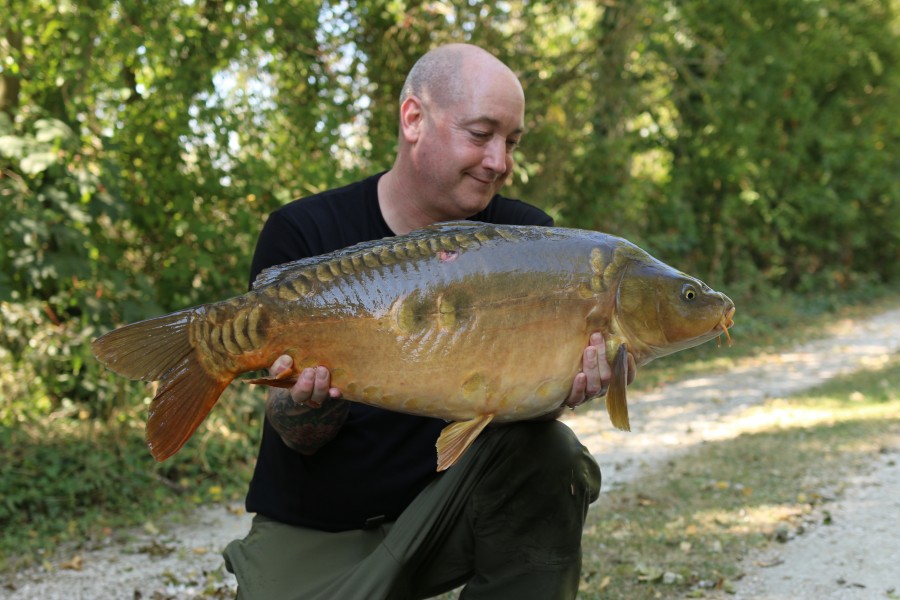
{"x":854,"y":557}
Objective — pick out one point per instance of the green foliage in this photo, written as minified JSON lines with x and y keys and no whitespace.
{"x":73,"y":475}
{"x":52,"y":480}
{"x":781,"y":158}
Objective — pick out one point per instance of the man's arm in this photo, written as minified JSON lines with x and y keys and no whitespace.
{"x":310,"y":413}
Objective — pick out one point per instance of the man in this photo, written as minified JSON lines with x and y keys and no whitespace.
{"x":347,"y":499}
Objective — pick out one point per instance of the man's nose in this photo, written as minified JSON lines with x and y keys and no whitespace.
{"x":495,"y":155}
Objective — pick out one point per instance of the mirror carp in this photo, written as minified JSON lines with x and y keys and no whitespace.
{"x":468,"y":322}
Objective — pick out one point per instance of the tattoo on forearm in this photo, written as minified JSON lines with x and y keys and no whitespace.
{"x":302,"y":428}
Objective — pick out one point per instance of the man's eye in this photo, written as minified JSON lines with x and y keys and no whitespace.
{"x":481,"y":135}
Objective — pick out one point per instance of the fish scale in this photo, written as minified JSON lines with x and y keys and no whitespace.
{"x":471,"y":323}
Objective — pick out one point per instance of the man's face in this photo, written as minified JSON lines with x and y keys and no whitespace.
{"x":465,"y":152}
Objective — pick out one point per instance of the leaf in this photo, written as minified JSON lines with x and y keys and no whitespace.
{"x":13,"y":146}
{"x":76,"y":563}
{"x":157,"y":549}
{"x":643,"y":500}
{"x":648,"y":574}
{"x":38,"y":162}
{"x":51,"y":130}
{"x":670,"y":578}
{"x":151,"y":528}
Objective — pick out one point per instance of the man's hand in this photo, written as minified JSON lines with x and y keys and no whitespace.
{"x":310,"y":413}
{"x":313,"y":385}
{"x":596,"y":372}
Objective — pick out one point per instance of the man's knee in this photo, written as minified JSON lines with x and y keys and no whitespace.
{"x":544,"y":464}
{"x":532,"y":503}
{"x":551,"y":451}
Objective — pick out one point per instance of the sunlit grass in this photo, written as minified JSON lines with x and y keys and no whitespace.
{"x":681,"y":530}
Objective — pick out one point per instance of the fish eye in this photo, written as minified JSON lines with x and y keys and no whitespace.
{"x":688,"y":292}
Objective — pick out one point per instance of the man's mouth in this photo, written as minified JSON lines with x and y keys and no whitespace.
{"x":488,"y":181}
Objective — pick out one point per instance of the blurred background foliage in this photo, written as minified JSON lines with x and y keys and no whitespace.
{"x":142,"y":145}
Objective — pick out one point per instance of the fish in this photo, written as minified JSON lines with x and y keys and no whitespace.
{"x":468,"y":322}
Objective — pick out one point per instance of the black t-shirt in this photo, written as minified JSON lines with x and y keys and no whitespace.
{"x":380,"y":460}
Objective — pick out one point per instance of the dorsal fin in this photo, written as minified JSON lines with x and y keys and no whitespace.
{"x":278,"y":272}
{"x":448,"y":226}
{"x":281,"y":272}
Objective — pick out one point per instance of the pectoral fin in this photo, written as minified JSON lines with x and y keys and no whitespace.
{"x":286,"y":379}
{"x":616,"y":400}
{"x":456,"y":438}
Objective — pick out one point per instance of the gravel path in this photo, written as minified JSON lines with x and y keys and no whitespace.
{"x":182,"y":560}
{"x":855,"y":557}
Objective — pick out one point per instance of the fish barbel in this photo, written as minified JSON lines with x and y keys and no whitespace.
{"x":468,"y":322}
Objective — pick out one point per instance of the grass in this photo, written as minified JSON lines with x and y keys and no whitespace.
{"x":73,"y":481}
{"x":682,"y":530}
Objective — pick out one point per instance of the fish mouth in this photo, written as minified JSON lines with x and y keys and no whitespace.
{"x":726,"y":323}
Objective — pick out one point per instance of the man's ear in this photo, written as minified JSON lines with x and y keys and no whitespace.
{"x":412,"y":114}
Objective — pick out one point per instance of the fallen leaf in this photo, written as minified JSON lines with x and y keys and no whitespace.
{"x":670,"y":578}
{"x":648,"y":574}
{"x":155,"y":548}
{"x":643,"y":500}
{"x":782,"y":533}
{"x":770,"y":563}
{"x":76,"y":563}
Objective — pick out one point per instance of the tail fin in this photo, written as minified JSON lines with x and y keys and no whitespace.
{"x":160,"y":349}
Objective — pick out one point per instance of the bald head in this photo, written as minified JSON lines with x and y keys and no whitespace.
{"x":442,"y":75}
{"x":462,"y":114}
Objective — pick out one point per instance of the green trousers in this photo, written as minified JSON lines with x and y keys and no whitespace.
{"x":505,"y":521}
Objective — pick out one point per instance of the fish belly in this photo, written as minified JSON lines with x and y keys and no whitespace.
{"x":454,"y":347}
